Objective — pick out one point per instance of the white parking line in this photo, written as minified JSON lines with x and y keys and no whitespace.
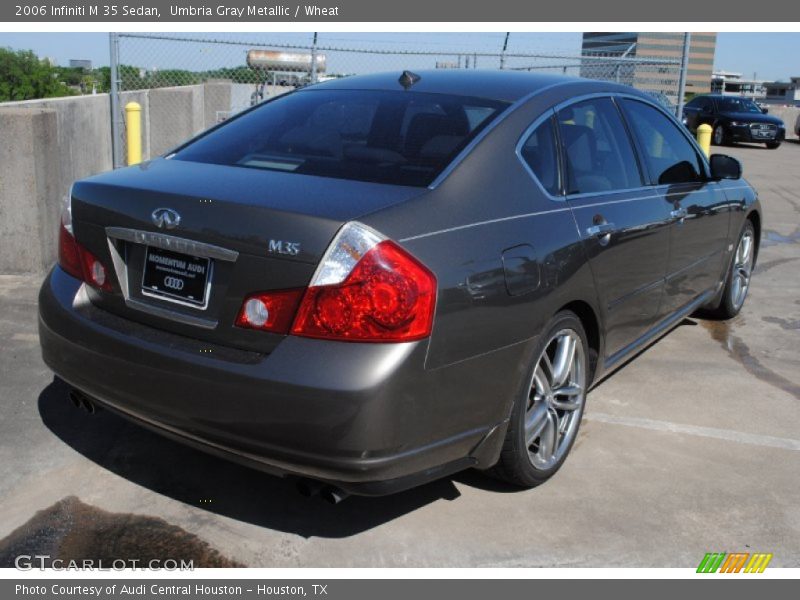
{"x":709,"y":432}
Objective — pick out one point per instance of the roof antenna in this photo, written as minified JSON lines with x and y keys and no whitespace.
{"x":407,"y":79}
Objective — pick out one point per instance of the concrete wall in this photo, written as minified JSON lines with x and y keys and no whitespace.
{"x":29,"y":189}
{"x":48,"y":144}
{"x":175,"y":115}
{"x":52,"y":143}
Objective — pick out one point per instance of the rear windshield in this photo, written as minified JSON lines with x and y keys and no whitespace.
{"x":397,"y":137}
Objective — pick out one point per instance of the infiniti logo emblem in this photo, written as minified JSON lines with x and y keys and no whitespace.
{"x":165,"y":218}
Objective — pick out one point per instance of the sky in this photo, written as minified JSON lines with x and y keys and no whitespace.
{"x":771,"y":56}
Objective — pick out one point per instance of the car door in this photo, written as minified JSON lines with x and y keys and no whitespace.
{"x":623,"y":224}
{"x":698,"y":207}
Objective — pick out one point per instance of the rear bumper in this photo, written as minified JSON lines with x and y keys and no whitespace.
{"x":368,"y":418}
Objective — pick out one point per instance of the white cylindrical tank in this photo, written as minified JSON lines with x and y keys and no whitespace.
{"x":275,"y":60}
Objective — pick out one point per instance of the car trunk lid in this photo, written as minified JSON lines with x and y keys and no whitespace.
{"x":233,"y":230}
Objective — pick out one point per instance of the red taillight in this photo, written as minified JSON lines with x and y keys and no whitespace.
{"x":270,"y":311}
{"x":389,"y":296}
{"x":79,"y":262}
{"x":69,"y":255}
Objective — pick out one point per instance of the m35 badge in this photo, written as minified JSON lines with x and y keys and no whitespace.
{"x":285,"y":248}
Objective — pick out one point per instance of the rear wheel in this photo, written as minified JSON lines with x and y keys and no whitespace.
{"x":737,"y":282}
{"x":545,"y":419}
{"x":773,"y":145}
{"x":720,"y":136}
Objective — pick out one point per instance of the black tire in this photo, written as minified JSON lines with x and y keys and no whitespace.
{"x":719,"y":137}
{"x":729,"y":306}
{"x":516,"y":465}
{"x":773,"y":145}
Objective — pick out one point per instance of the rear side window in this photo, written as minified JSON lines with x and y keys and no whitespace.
{"x":540,"y":153}
{"x":599,"y":156}
{"x":396,"y":137}
{"x":669,"y":156}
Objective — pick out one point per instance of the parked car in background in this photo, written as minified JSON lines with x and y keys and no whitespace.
{"x":734,"y":119}
{"x":797,"y":126}
{"x":377,"y":281}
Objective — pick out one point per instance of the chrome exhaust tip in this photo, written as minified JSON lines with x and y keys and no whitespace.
{"x":81,"y":400}
{"x":88,"y":405}
{"x":333,"y":495}
{"x":75,"y":398}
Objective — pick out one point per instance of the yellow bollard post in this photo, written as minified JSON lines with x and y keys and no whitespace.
{"x":133,"y":125}
{"x":704,"y":137}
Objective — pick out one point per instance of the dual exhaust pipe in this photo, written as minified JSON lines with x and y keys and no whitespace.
{"x":307,"y":487}
{"x":330,"y":493}
{"x":81,"y":400}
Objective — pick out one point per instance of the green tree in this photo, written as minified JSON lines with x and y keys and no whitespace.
{"x":23,"y":76}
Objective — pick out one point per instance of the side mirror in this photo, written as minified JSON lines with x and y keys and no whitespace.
{"x":764,"y":110}
{"x":725,"y":167}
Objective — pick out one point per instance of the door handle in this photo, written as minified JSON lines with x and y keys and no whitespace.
{"x":678,"y":213}
{"x":600,"y":230}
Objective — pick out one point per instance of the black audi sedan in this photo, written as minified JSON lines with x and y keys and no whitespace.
{"x":734,"y":119}
{"x":381,"y":280}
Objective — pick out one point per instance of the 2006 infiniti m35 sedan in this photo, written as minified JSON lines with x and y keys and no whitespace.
{"x":381,"y":280}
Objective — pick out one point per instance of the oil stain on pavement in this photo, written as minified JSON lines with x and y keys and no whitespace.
{"x":721,"y":332}
{"x":71,"y":530}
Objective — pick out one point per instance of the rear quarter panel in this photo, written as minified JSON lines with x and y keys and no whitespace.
{"x":460,"y":229}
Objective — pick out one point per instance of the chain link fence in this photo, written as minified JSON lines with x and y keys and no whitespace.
{"x":187,"y":83}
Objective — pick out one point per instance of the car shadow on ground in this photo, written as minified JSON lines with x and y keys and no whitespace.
{"x":225,"y":488}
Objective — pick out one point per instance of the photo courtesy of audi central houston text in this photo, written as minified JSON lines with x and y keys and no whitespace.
{"x":372,"y":282}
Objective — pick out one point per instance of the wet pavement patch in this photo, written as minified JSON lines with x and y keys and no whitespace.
{"x":71,"y":530}
{"x":766,"y":266}
{"x":786,"y":324}
{"x":773,"y":238}
{"x":736,"y":347}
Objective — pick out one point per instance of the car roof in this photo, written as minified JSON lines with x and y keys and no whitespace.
{"x":505,"y":86}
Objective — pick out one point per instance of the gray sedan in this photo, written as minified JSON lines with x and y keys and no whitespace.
{"x":378,"y":281}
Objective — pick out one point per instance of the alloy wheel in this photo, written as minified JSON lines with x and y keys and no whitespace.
{"x":556,"y":399}
{"x":742,"y":269}
{"x":719,"y":135}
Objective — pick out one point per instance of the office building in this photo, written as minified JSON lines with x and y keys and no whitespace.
{"x":660,"y":46}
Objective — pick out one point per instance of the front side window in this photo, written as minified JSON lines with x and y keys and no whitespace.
{"x":397,"y":137}
{"x":599,"y":156}
{"x":738,"y":105}
{"x":540,"y":153}
{"x":669,"y":156}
